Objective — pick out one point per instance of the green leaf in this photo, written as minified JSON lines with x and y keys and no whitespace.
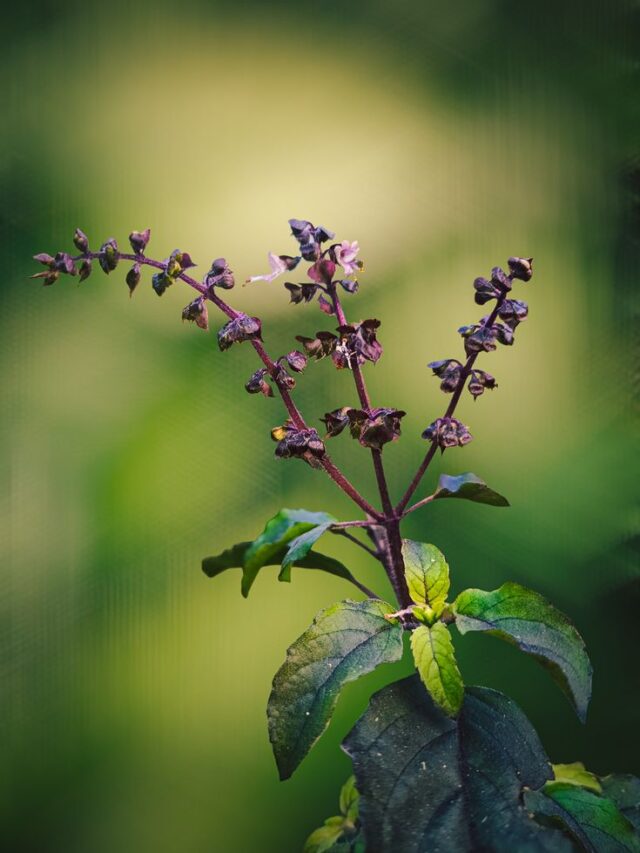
{"x":234,"y":558}
{"x":345,"y":641}
{"x":595,"y":821}
{"x":576,"y":774}
{"x":428,"y":782}
{"x":426,"y":572}
{"x":349,"y":799}
{"x":323,"y":839}
{"x":624,"y":790}
{"x":435,"y":660}
{"x":526,"y":619}
{"x":470,"y":488}
{"x":300,"y":547}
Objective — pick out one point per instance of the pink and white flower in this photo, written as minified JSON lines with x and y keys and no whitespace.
{"x":279,"y":264}
{"x":346,"y":254}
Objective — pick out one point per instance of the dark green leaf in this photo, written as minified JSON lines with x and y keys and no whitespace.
{"x":344,"y":642}
{"x":470,"y":488}
{"x":594,"y":821}
{"x":426,"y":572}
{"x":624,"y":790}
{"x":233,"y":558}
{"x":428,"y":783}
{"x":576,"y":774}
{"x":435,"y":661}
{"x":526,"y":619}
{"x":300,"y":547}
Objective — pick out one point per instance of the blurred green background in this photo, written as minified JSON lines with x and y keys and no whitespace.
{"x":444,"y":136}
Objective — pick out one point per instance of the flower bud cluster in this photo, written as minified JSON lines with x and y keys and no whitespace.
{"x":355,"y":343}
{"x":372,"y":428}
{"x":447,"y":432}
{"x":294,"y":443}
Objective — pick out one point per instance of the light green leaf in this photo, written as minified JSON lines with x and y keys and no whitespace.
{"x":470,"y":488}
{"x":322,"y":840}
{"x":576,"y":774}
{"x":526,"y":619}
{"x":435,"y":660}
{"x":344,"y":642}
{"x":594,"y":821}
{"x":349,"y":799}
{"x":426,"y":572}
{"x":300,"y":547}
{"x":234,"y":558}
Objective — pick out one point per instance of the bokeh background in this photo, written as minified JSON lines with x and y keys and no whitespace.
{"x":444,"y":136}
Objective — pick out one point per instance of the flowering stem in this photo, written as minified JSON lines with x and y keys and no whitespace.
{"x":294,"y":413}
{"x":464,"y":374}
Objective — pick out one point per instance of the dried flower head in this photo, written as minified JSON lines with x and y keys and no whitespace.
{"x":241,"y":328}
{"x":294,"y":443}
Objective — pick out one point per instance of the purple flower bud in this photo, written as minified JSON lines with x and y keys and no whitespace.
{"x":323,"y":234}
{"x":303,"y":292}
{"x":220,"y":275}
{"x":358,"y":343}
{"x":375,"y":428}
{"x":197,"y":312}
{"x":322,"y":272}
{"x":500,"y":279}
{"x":478,"y":381}
{"x":160,"y":282}
{"x":350,"y":285}
{"x":282,"y":378}
{"x":44,"y":258}
{"x":504,"y":334}
{"x":336,"y":420}
{"x":447,"y":432}
{"x":296,"y":360}
{"x":521,"y":268}
{"x":108,"y":258}
{"x":485,"y":290}
{"x":64,"y":263}
{"x":478,"y":338}
{"x":81,"y":241}
{"x":241,"y":328}
{"x":513,"y":312}
{"x":309,"y":237}
{"x":177,"y":263}
{"x":326,"y":305}
{"x":139,"y":240}
{"x":133,"y":278}
{"x":258,"y":385}
{"x":86,"y":268}
{"x":322,"y":345}
{"x":449,"y":371}
{"x":297,"y":443}
{"x":48,"y":278}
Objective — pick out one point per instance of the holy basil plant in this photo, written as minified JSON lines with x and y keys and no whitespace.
{"x":439,"y":766}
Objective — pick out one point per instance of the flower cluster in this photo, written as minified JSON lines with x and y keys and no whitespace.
{"x":372,"y":428}
{"x":241,"y":328}
{"x":355,"y":343}
{"x":447,"y":432}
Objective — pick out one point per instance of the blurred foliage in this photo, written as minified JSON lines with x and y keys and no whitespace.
{"x":443,"y":136}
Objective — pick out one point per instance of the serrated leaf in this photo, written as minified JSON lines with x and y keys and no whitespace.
{"x":300,"y":547}
{"x":430,"y":783}
{"x":345,"y":641}
{"x":576,"y":774}
{"x":435,"y":660}
{"x":527,"y":620}
{"x":624,"y":790}
{"x":595,"y":821}
{"x":234,"y":558}
{"x":426,"y":572}
{"x":468,"y":487}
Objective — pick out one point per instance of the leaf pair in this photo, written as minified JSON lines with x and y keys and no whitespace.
{"x":512,"y":613}
{"x":287,"y":541}
{"x":340,"y":834}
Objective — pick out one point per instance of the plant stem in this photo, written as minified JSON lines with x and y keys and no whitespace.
{"x":464,"y":374}
{"x":294,"y":413}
